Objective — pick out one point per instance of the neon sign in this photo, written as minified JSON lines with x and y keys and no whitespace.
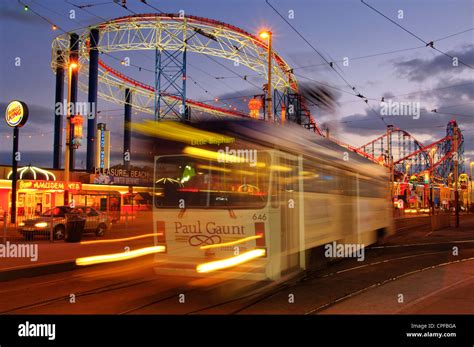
{"x":48,"y":185}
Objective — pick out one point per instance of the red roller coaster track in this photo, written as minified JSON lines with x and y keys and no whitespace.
{"x":144,"y":86}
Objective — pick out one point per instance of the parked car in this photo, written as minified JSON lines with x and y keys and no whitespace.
{"x":96,"y":222}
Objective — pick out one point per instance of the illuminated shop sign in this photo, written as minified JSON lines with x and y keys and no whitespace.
{"x":16,"y":114}
{"x":48,"y":185}
{"x":122,"y":176}
{"x":119,"y":172}
{"x":103,"y":147}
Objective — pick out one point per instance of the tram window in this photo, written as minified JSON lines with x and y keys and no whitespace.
{"x":317,"y":179}
{"x":348,"y":184}
{"x":339,"y":182}
{"x":289,"y":180}
{"x":275,"y":191}
{"x":200,"y":183}
{"x":308,"y":175}
{"x":328,"y":180}
{"x":372,"y":188}
{"x":364,"y":188}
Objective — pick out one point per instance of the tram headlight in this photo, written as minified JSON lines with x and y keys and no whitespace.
{"x":41,"y":225}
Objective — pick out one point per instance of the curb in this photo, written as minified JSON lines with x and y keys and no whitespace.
{"x":37,"y":270}
{"x":57,"y":267}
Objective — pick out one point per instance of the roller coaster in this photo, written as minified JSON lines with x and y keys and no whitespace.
{"x":172,"y":36}
{"x":410,"y":157}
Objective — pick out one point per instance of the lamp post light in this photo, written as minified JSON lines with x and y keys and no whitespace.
{"x":267,"y":35}
{"x":67,"y":154}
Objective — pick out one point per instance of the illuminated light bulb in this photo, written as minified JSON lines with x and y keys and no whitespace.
{"x":265,"y":34}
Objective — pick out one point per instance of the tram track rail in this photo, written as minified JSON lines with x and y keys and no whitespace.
{"x":375,"y":285}
{"x":251,"y":300}
{"x":254,"y":300}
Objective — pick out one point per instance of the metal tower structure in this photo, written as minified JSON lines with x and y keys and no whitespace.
{"x":170,"y":76}
{"x":290,"y":106}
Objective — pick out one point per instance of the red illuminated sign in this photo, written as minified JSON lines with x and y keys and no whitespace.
{"x":48,"y":185}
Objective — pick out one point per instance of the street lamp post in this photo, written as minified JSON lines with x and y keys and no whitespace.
{"x":469,"y":187}
{"x":390,"y":162}
{"x":456,"y":173}
{"x":67,"y":154}
{"x":432,"y":152}
{"x":268,"y":36}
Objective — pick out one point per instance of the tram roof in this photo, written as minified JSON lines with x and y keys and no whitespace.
{"x":296,"y":139}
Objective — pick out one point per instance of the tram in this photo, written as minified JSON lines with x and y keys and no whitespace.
{"x":255,"y":200}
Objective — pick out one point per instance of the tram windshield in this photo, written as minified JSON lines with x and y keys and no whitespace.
{"x":204,"y":183}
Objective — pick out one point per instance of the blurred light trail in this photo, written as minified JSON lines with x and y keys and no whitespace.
{"x":122,"y":239}
{"x":225,"y":157}
{"x":204,"y":153}
{"x":107,"y":258}
{"x":236,"y":242}
{"x":229,"y":262}
{"x":280,"y":168}
{"x":180,"y":132}
{"x":213,"y":168}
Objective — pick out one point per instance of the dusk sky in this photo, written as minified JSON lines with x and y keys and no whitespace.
{"x":336,"y":28}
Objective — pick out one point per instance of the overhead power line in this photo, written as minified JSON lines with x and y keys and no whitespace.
{"x":329,"y":63}
{"x":427,"y":44}
{"x":197,"y":30}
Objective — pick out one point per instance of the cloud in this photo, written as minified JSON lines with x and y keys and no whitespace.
{"x":429,"y":123}
{"x":454,"y":91}
{"x":388,"y":95}
{"x":418,"y":69}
